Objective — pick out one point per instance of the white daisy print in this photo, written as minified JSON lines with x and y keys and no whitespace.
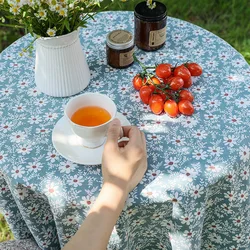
{"x":24,"y":149}
{"x":34,"y":120}
{"x":34,"y":167}
{"x":200,"y":154}
{"x":3,"y":157}
{"x":17,"y":172}
{"x":18,"y":136}
{"x":244,"y":153}
{"x":67,"y":167}
{"x":75,"y":181}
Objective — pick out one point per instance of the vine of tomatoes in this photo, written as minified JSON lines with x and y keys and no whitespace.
{"x":165,"y":87}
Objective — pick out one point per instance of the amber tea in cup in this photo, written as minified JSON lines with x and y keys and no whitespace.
{"x":91,"y":116}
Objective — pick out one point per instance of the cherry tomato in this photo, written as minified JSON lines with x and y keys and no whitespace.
{"x":186,"y":107}
{"x":156,"y":104}
{"x":145,"y":94}
{"x":151,"y":87}
{"x":137,"y":82}
{"x":195,"y":69}
{"x":186,"y":95}
{"x":167,"y":80}
{"x":171,"y":108}
{"x":154,"y":80}
{"x":162,"y":94}
{"x":188,"y":83}
{"x":182,"y":72}
{"x":163,"y":70}
{"x":176,"y":83}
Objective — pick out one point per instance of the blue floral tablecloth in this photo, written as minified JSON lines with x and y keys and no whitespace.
{"x":196,"y":191}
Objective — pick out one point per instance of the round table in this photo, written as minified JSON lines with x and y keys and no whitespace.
{"x":195,"y":193}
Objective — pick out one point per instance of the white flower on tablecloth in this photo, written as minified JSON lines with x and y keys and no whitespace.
{"x":138,"y":222}
{"x":33,"y":209}
{"x":19,"y":107}
{"x":8,"y":214}
{"x":149,"y":233}
{"x":124,"y":89}
{"x":67,"y":236}
{"x":50,"y":116}
{"x":14,"y":65}
{"x":243,"y":196}
{"x":230,"y":140}
{"x":144,"y":108}
{"x":34,"y":120}
{"x":42,"y":131}
{"x":196,"y":191}
{"x":200,"y":134}
{"x":176,"y":198}
{"x":135,"y":97}
{"x":8,"y":56}
{"x":130,"y":201}
{"x":17,"y":172}
{"x":233,"y":247}
{"x":242,"y":103}
{"x":5,"y":127}
{"x":211,"y":64}
{"x":131,"y":211}
{"x":185,"y":219}
{"x":189,"y":44}
{"x":67,"y":167}
{"x":18,"y":136}
{"x":47,"y":219}
{"x":244,"y":153}
{"x":214,"y":237}
{"x":168,"y":224}
{"x":24,"y":149}
{"x":88,"y":201}
{"x":158,"y":216}
{"x":189,"y":122}
{"x":238,"y":238}
{"x":152,"y":174}
{"x":238,"y":221}
{"x":23,"y":84}
{"x":213,"y":103}
{"x":227,"y":94}
{"x":198,"y":212}
{"x":217,"y":151}
{"x":230,"y":195}
{"x":99,"y":40}
{"x":33,"y":92}
{"x":126,"y":112}
{"x":3,"y":157}
{"x":69,"y":220}
{"x":41,"y":102}
{"x":6,"y":91}
{"x":199,"y":90}
{"x":224,"y":55}
{"x":52,"y":189}
{"x":172,"y":163}
{"x":22,"y":193}
{"x":154,"y":137}
{"x":52,"y":156}
{"x":75,"y":181}
{"x":238,"y":63}
{"x":210,"y":116}
{"x":4,"y":189}
{"x":188,"y":234}
{"x":226,"y":208}
{"x":199,"y":106}
{"x":200,"y":154}
{"x":34,"y":167}
{"x":178,"y":140}
{"x":234,"y":120}
{"x":244,"y":174}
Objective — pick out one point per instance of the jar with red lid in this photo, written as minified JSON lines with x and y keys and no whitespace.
{"x":150,"y":26}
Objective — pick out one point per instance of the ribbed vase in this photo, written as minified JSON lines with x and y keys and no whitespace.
{"x":61,"y":68}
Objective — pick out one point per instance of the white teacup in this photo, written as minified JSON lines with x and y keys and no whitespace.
{"x":92,"y":137}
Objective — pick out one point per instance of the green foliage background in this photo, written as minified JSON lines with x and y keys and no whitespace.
{"x":229,"y":19}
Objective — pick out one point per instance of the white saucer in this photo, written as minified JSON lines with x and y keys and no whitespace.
{"x":69,"y":146}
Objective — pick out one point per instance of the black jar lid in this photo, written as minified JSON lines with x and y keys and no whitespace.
{"x":143,"y":12}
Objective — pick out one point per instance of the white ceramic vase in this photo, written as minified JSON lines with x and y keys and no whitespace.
{"x":61,"y":67}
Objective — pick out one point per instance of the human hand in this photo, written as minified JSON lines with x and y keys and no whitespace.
{"x":124,"y":163}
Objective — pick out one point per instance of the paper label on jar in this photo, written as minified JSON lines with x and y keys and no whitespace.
{"x":157,"y":37}
{"x":126,"y":58}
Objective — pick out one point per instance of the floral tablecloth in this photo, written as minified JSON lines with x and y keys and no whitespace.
{"x":196,"y":191}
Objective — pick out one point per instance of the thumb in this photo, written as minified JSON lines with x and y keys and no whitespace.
{"x":114,"y":131}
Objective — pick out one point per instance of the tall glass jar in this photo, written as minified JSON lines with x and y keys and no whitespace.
{"x":150,"y":26}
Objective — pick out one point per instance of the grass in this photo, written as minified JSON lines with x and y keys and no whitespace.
{"x":5,"y":233}
{"x":227,"y":19}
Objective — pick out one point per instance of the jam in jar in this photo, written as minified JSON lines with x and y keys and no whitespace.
{"x":150,"y":26}
{"x":120,"y":49}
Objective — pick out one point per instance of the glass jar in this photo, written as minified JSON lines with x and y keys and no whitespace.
{"x":120,"y":49}
{"x":150,"y":26}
